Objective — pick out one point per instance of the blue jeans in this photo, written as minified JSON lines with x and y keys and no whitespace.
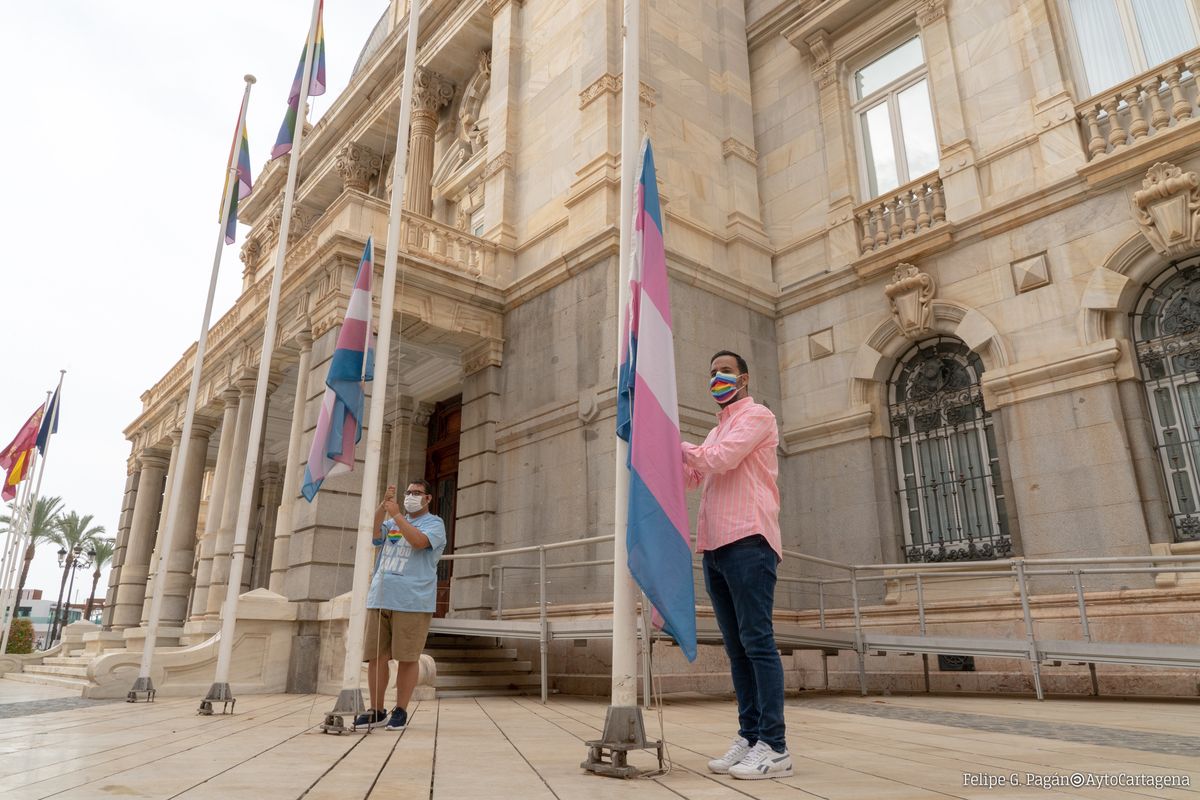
{"x":740,"y":579}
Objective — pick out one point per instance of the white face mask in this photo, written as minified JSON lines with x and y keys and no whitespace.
{"x":412,"y":504}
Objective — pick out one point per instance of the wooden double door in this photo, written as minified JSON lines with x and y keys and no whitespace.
{"x":441,"y":469}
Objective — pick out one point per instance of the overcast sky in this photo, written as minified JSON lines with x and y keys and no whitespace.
{"x":120,"y":115}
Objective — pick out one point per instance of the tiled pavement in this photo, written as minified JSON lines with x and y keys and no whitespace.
{"x":846,"y":748}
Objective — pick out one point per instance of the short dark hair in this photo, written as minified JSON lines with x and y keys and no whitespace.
{"x":741,"y":362}
{"x":426,"y":485}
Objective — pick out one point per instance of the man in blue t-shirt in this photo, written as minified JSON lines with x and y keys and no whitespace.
{"x":402,"y":598}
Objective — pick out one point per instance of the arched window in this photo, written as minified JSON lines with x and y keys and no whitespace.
{"x":1166,"y":331}
{"x":951,"y":502}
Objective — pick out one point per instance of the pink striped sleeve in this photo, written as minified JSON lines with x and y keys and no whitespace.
{"x":746,"y":433}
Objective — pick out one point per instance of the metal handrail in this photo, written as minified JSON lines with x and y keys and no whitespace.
{"x":1020,"y":569}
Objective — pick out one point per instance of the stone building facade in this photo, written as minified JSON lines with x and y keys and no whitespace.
{"x":956,"y":240}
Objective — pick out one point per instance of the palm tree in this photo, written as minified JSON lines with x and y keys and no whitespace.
{"x":72,"y":534}
{"x":44,"y":525}
{"x":103,"y":548}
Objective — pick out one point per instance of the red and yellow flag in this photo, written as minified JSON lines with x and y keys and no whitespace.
{"x":15,"y":458}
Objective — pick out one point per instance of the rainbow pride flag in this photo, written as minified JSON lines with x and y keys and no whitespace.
{"x":245,"y":183}
{"x":660,"y":557}
{"x":339,"y":425}
{"x":316,"y":87}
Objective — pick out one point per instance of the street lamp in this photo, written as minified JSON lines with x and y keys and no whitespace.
{"x":74,"y":559}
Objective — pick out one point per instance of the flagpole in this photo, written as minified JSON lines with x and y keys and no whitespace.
{"x":623,"y":726}
{"x":12,"y":546}
{"x":349,"y":700}
{"x":220,"y":691}
{"x":23,"y":532}
{"x":143,"y":682}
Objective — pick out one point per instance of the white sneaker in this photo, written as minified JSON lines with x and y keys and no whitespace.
{"x":762,"y":762}
{"x":737,"y":751}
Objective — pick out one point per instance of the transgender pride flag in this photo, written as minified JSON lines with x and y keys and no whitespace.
{"x":660,"y":556}
{"x":339,"y":425}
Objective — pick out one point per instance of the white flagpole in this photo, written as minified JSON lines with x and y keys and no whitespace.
{"x":623,"y":727}
{"x":350,"y":700}
{"x":624,"y":668}
{"x":220,"y":691}
{"x":22,"y":533}
{"x":143,"y":683}
{"x":12,"y":547}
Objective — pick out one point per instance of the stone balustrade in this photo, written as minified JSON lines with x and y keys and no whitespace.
{"x":448,"y":246}
{"x":354,"y":214}
{"x":901,"y":214}
{"x":1143,"y":107}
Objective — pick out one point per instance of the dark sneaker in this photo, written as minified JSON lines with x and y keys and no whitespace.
{"x":398,"y":720}
{"x":372,"y":719}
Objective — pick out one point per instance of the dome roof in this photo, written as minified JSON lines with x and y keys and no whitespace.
{"x":379,"y":35}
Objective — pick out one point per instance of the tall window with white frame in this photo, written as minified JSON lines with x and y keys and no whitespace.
{"x":952,"y":504}
{"x":1166,"y":331}
{"x":894,"y":118}
{"x":1114,"y":40}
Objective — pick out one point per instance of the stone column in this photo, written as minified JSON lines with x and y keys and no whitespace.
{"x":183,"y":546}
{"x":216,"y":503}
{"x":430,"y":93}
{"x":257,"y":573}
{"x":219,"y":578}
{"x":475,"y":529}
{"x":297,"y":454}
{"x":159,"y":534}
{"x":131,"y":592}
{"x":114,"y":572}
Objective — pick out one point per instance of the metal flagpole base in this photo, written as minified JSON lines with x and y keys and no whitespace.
{"x":141,"y":686}
{"x":217,"y":693}
{"x":623,"y":732}
{"x":349,"y":704}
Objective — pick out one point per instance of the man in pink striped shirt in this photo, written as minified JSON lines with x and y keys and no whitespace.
{"x":738,"y":533}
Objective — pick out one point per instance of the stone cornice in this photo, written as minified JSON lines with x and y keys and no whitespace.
{"x":842,"y":426}
{"x":1043,"y":377}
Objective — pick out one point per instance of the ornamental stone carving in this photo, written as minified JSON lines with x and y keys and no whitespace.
{"x":1167,"y":209}
{"x":430,"y":91}
{"x":910,"y":295}
{"x":929,"y":11}
{"x":357,"y":165}
{"x":251,"y":252}
{"x":299,"y":225}
{"x":825,"y":67}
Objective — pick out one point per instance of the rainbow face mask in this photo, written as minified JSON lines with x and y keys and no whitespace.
{"x":723,"y":387}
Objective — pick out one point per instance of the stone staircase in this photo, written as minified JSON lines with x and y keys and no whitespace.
{"x":469,"y":666}
{"x":67,"y":672}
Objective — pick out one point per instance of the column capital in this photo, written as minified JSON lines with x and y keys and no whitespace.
{"x":488,"y":353}
{"x":203,"y":428}
{"x":356,"y":164}
{"x":229,"y":397}
{"x":152,"y":458}
{"x":304,"y":339}
{"x":431,"y":91}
